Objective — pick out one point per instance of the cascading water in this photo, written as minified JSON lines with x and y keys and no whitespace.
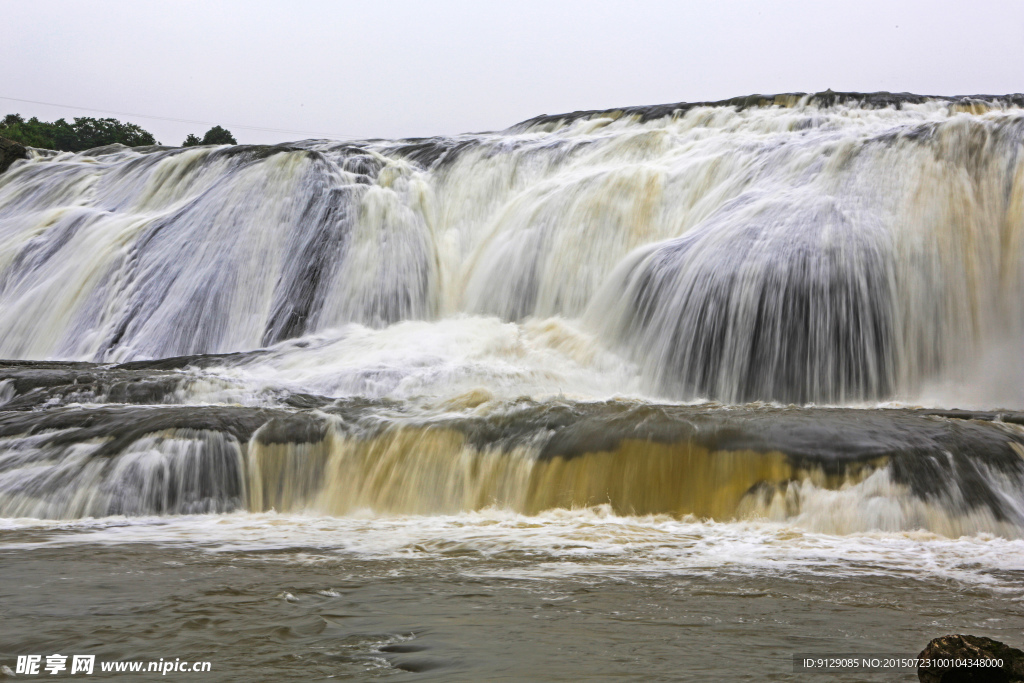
{"x":565,"y":314}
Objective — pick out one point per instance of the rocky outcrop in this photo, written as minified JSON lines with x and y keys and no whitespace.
{"x":973,"y":652}
{"x":10,"y":151}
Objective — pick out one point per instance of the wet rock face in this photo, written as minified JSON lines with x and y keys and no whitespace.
{"x":10,"y":152}
{"x":957,"y":647}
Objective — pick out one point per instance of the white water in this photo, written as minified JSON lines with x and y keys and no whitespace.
{"x":434,"y":363}
{"x":561,"y":543}
{"x":827,"y":254}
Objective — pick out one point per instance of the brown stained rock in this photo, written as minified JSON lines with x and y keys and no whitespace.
{"x":975,"y":648}
{"x":10,"y":151}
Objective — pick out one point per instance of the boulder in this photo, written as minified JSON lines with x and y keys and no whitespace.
{"x":10,"y":151}
{"x":959,"y":647}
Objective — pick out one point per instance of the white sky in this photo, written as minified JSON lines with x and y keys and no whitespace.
{"x":395,"y":69}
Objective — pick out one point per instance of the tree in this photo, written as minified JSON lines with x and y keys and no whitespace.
{"x":214,"y":136}
{"x":31,"y":133}
{"x":89,"y":133}
{"x":219,"y":136}
{"x":84,"y":133}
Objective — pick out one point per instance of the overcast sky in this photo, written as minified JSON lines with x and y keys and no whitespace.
{"x":396,"y":69}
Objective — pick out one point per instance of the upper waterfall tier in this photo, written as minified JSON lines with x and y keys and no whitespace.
{"x":805,"y":248}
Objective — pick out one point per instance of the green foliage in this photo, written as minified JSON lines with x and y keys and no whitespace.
{"x":214,"y":136}
{"x":82,"y":134}
{"x":219,"y":136}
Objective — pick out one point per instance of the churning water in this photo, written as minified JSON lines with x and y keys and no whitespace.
{"x":657,"y":393}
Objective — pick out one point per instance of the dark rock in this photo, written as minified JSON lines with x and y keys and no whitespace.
{"x":10,"y":151}
{"x":975,"y":648}
{"x":292,"y":428}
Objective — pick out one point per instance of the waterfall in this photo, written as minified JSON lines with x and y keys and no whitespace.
{"x":360,"y":326}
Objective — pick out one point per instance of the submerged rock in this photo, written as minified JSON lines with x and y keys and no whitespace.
{"x":957,"y":647}
{"x":10,"y":151}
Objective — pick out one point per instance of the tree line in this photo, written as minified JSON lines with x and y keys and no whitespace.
{"x":84,"y":133}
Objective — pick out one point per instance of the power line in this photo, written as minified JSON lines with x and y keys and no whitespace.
{"x":166,"y":118}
